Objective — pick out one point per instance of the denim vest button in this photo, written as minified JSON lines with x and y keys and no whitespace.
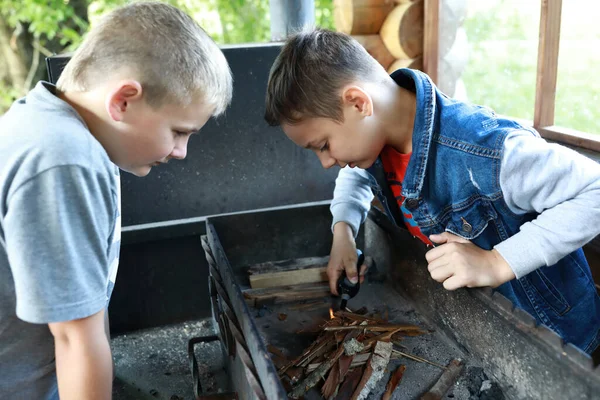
{"x":466,"y":226}
{"x":411,"y":203}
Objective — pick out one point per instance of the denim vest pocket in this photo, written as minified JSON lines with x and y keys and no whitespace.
{"x":470,"y":218}
{"x":560,"y":286}
{"x":546,"y":291}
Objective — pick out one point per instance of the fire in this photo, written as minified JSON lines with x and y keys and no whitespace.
{"x":331,"y":316}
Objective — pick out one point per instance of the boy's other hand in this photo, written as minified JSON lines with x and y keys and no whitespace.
{"x":343,"y":257}
{"x":456,"y":262}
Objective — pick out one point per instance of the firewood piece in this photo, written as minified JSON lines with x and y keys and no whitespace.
{"x":350,"y":383}
{"x":311,"y":380}
{"x":288,"y":265}
{"x":402,"y":30}
{"x":360,"y":17}
{"x":286,"y":294}
{"x":376,"y":48}
{"x":294,"y":373}
{"x":279,"y":359}
{"x":352,"y":347}
{"x":375,"y":328}
{"x":374,"y":371}
{"x":319,"y":351}
{"x":355,"y":361}
{"x":447,"y":379}
{"x":393,"y":382}
{"x":344,"y":365}
{"x":283,"y":278}
{"x":332,"y":382}
{"x":306,"y":352}
{"x":357,"y":317}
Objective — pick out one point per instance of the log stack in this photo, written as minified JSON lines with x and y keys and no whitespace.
{"x":390,"y":30}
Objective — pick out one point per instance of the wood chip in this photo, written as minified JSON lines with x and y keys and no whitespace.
{"x":333,"y":380}
{"x":393,"y":382}
{"x":350,"y":384}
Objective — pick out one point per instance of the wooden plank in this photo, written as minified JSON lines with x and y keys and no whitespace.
{"x":286,"y":294}
{"x":431,"y":38}
{"x":547,"y":65}
{"x":571,"y":136}
{"x":288,"y":265}
{"x":283,"y":278}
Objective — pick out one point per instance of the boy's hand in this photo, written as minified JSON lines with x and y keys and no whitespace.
{"x":343,"y":257}
{"x":458,"y":263}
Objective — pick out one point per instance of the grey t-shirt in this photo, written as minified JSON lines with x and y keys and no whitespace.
{"x":59,"y":235}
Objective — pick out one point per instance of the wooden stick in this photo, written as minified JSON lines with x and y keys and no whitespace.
{"x":448,"y":378}
{"x":357,"y":317}
{"x":419,"y":359}
{"x":374,"y":328}
{"x":311,"y":380}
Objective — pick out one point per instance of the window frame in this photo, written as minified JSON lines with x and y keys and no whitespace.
{"x":546,"y":78}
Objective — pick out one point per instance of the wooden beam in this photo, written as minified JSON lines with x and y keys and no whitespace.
{"x":547,"y":65}
{"x":570,"y":136}
{"x":431,"y":37}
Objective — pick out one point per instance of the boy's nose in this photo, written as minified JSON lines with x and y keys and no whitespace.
{"x":326,"y":160}
{"x":180,"y":150}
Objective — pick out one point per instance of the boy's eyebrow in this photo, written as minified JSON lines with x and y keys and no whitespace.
{"x":187,"y":129}
{"x":309,"y":145}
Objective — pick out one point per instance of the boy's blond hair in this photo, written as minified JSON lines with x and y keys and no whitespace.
{"x":161,"y":46}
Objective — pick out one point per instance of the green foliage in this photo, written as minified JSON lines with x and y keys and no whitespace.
{"x":502,"y":67}
{"x":45,"y":19}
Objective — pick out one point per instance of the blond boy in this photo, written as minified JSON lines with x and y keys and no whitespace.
{"x":144,"y":80}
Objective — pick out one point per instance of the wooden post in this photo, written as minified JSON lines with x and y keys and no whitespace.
{"x":547,"y":65}
{"x":431,"y":38}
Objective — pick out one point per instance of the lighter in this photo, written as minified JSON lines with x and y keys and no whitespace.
{"x":347,"y":289}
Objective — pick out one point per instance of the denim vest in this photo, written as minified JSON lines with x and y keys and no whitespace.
{"x":452,"y":184}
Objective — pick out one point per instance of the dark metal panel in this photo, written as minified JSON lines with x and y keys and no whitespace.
{"x":236,"y":163}
{"x":160,"y":282}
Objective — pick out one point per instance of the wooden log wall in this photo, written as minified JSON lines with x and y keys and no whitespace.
{"x":390,"y":30}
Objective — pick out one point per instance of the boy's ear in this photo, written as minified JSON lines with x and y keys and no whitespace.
{"x":120,"y":96}
{"x":358,"y":99}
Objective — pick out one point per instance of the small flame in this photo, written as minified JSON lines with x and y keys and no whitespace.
{"x":331,"y":316}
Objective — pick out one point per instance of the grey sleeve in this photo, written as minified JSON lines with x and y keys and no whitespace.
{"x":352,"y":197}
{"x":57,"y":227}
{"x":561,"y":185}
